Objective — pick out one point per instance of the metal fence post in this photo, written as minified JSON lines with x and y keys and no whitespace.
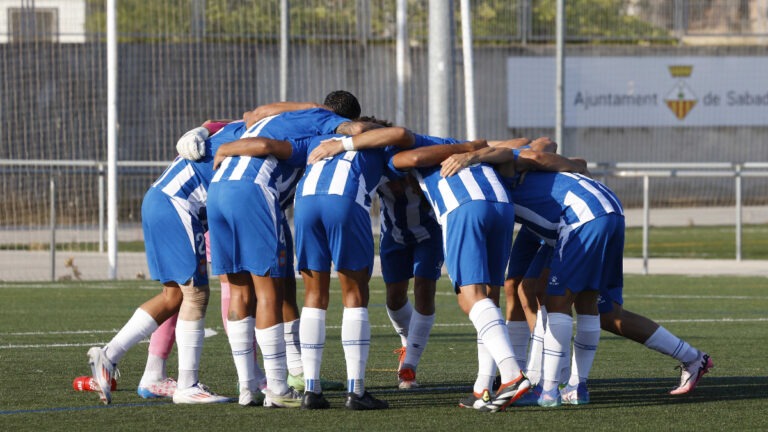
{"x":646,"y":221}
{"x":739,"y":209}
{"x":53,"y":228}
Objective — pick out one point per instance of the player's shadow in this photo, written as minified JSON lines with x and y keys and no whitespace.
{"x":655,"y":391}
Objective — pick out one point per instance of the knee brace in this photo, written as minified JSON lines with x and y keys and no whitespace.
{"x":194,"y":302}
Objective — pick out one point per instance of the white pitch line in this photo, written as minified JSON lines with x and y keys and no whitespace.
{"x":212,"y":332}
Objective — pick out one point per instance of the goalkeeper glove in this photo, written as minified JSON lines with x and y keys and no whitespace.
{"x":191,"y":145}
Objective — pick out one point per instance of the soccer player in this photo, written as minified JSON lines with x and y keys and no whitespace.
{"x":473,"y":209}
{"x":586,"y":219}
{"x":410,"y":246}
{"x":245,"y":247}
{"x":332,"y":222}
{"x":173,"y":222}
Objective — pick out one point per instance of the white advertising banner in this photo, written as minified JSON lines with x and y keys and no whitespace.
{"x":640,"y":91}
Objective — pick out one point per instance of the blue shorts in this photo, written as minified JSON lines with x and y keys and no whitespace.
{"x":540,"y":262}
{"x":243,"y":218}
{"x":477,"y":237}
{"x":285,"y":249}
{"x":400,"y":262}
{"x":332,"y":228}
{"x":174,"y":240}
{"x":589,"y":258}
{"x":524,"y":249}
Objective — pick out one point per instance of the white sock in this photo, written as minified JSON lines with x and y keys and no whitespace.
{"x":536,"y":350}
{"x":557,"y":346}
{"x":312,"y":336}
{"x":258,"y":373}
{"x":356,"y":340}
{"x":490,"y":327}
{"x":139,"y":327}
{"x":293,"y":347}
{"x":519,"y":336}
{"x":584,"y":347}
{"x":272,"y":343}
{"x":666,"y":343}
{"x":418,"y":336}
{"x":241,"y":336}
{"x":189,"y":342}
{"x":154,"y":371}
{"x":401,"y":321}
{"x":486,"y":369}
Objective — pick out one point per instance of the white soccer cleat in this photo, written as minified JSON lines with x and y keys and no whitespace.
{"x":197,"y":394}
{"x":692,"y":372}
{"x":103,"y":371}
{"x":157,"y":389}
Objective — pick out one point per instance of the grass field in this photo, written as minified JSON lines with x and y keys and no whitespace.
{"x":46,"y":329}
{"x":705,"y":242}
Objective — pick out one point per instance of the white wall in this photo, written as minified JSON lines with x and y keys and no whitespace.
{"x":71,"y":18}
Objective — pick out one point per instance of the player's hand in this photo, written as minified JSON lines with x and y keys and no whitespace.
{"x":218,"y":158}
{"x":327,"y":148}
{"x":454,"y":164}
{"x":191,"y":145}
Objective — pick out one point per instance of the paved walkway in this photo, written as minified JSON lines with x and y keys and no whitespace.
{"x":35,"y":266}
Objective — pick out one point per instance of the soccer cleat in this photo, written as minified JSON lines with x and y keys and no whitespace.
{"x":692,"y":372}
{"x":496,"y":384}
{"x":197,"y":394}
{"x":575,"y":395}
{"x":297,"y":382}
{"x":158,"y":389}
{"x":103,"y":371}
{"x":314,"y":401}
{"x":290,"y":399}
{"x":407,"y":379}
{"x":481,"y":402}
{"x":511,"y":391}
{"x":530,"y":398}
{"x":250,"y":399}
{"x":364,"y":402}
{"x":87,"y":383}
{"x":550,"y":399}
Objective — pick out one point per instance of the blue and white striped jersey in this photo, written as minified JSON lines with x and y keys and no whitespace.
{"x":405,"y":213}
{"x":276,"y":175}
{"x":187,"y":181}
{"x":479,"y":182}
{"x":550,"y":203}
{"x":354,"y":174}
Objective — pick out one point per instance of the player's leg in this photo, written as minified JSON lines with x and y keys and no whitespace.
{"x":155,"y":382}
{"x":291,"y":320}
{"x":397,"y":270}
{"x":314,"y":262}
{"x":349,"y":238}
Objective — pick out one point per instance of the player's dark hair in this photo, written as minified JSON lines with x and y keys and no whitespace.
{"x":372,"y":119}
{"x":343,"y":103}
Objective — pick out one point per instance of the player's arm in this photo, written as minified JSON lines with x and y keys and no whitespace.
{"x":276,"y":108}
{"x":530,"y":160}
{"x":375,"y":138}
{"x":433,"y":155}
{"x":543,"y":144}
{"x":254,"y":146}
{"x":499,"y":155}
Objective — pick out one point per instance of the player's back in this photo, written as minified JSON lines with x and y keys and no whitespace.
{"x":354,"y":174}
{"x":546,"y":201}
{"x":478,"y":182}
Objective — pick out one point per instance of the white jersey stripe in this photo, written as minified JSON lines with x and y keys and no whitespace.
{"x":449,"y":199}
{"x":310,"y":182}
{"x":471,"y":184}
{"x":599,"y":195}
{"x":498,"y":188}
{"x":222,"y":169}
{"x":340,"y":176}
{"x":168,"y":170}
{"x":580,"y":208}
{"x":240,"y":168}
{"x":179,"y":180}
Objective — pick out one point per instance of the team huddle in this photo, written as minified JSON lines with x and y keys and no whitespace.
{"x":443,"y":202}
